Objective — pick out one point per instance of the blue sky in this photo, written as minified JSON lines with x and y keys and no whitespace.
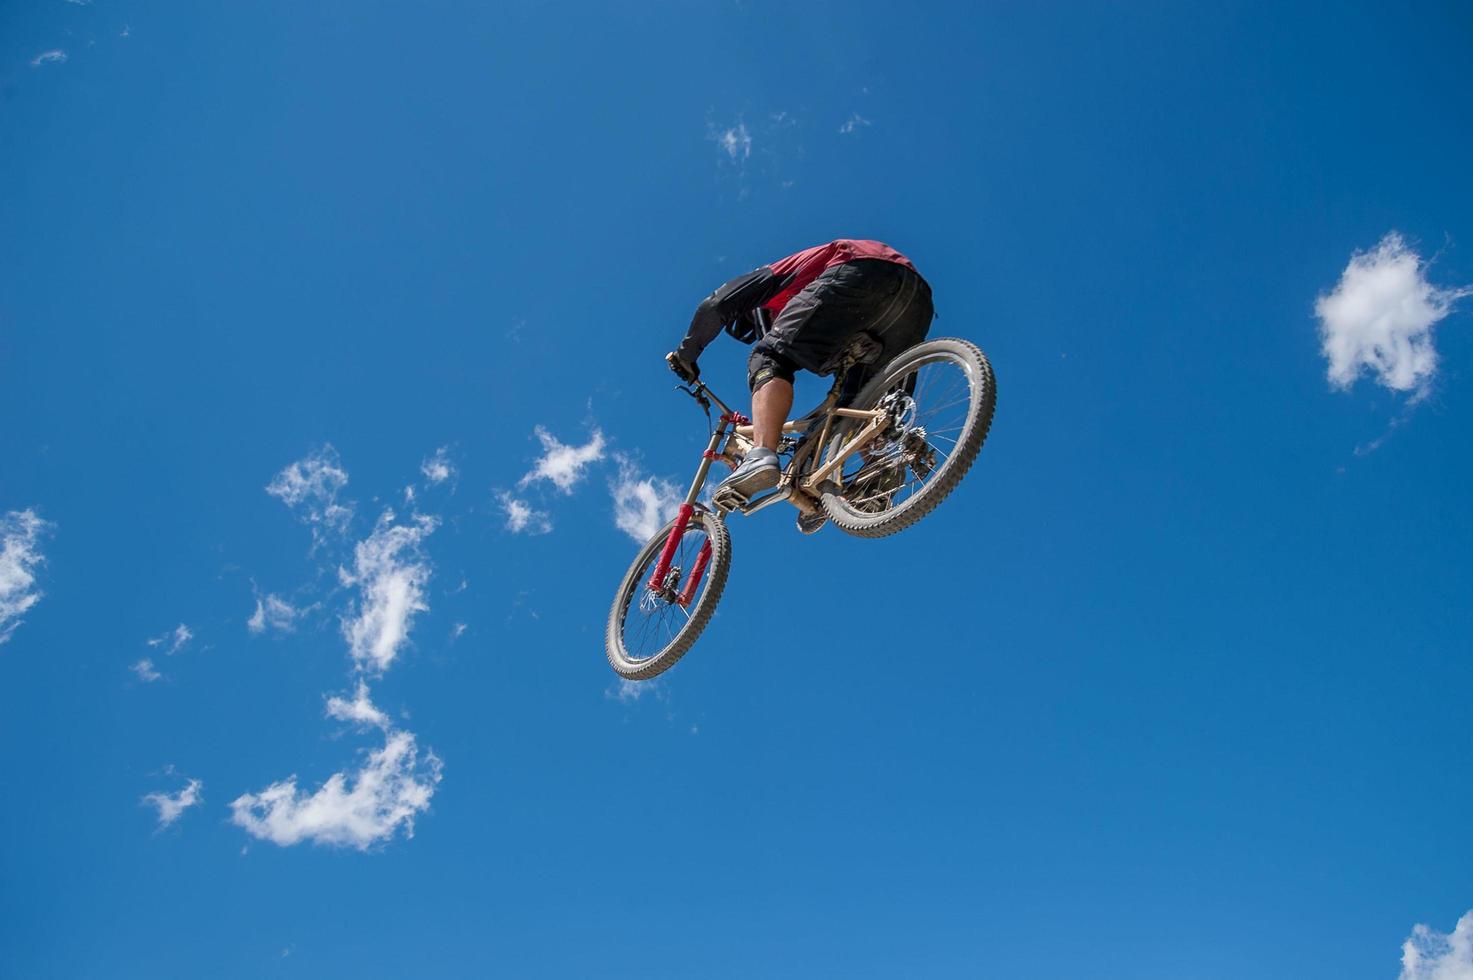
{"x":322,"y":320}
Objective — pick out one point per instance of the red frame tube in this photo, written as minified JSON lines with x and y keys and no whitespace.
{"x":688,"y":593}
{"x":662,"y":567}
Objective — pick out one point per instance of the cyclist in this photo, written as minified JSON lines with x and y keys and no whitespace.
{"x":802,"y":312}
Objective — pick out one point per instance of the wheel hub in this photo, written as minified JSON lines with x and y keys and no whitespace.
{"x":669,"y":591}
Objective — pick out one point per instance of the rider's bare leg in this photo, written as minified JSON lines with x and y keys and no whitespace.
{"x":770,"y":406}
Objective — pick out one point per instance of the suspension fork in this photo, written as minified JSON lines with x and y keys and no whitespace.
{"x":697,"y":572}
{"x":683,"y":516}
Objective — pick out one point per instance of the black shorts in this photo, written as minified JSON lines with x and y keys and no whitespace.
{"x":889,"y":301}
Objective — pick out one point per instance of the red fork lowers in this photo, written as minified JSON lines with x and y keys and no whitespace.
{"x":662,"y":567}
{"x":703,"y":559}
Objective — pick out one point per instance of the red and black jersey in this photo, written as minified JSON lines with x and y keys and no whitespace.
{"x":769,"y":288}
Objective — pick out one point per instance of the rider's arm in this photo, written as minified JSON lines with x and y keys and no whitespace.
{"x":741,"y":295}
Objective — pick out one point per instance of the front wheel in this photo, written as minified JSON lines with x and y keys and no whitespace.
{"x":940,"y":395}
{"x":652,"y":625}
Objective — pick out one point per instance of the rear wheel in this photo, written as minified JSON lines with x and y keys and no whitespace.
{"x":649,"y":629}
{"x":940,"y":397}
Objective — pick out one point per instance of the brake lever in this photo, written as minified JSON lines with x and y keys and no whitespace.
{"x":698,"y":395}
{"x":702,"y":401}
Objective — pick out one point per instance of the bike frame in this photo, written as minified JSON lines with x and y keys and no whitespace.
{"x":799,"y":483}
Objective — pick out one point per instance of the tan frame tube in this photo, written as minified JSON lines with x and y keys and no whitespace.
{"x":863,"y":438}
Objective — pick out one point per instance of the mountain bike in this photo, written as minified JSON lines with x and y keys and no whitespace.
{"x":872,"y":467}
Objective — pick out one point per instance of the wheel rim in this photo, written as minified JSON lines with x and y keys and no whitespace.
{"x":651,"y":621}
{"x":932,"y":406}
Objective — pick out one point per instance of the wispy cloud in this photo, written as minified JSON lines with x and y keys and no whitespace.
{"x":625,"y":691}
{"x":642,"y":504}
{"x":757,"y":152}
{"x":145,"y":671}
{"x":391,"y":573}
{"x":171,"y":806}
{"x":1431,"y":955}
{"x":310,"y":487}
{"x":356,"y":809}
{"x":854,"y":123}
{"x":273,"y":613}
{"x":56,"y":56}
{"x":628,"y":692}
{"x":521,"y":517}
{"x":360,"y":710}
{"x":1379,"y":318}
{"x":20,"y":556}
{"x":439,"y":467}
{"x":734,"y":141}
{"x":562,"y":465}
{"x":172,"y":641}
{"x":521,"y":605}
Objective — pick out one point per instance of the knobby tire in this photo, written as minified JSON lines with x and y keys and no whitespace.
{"x":969,"y":444}
{"x":700,"y":613}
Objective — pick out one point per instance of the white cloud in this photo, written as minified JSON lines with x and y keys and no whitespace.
{"x":642,"y":505}
{"x":735,"y":141}
{"x":563,"y":465}
{"x":311,"y":485}
{"x":854,"y":123}
{"x":144,"y":670}
{"x":56,"y":56}
{"x":521,"y":517}
{"x":628,"y":692}
{"x":272,"y":613}
{"x":625,"y":691}
{"x":172,"y":807}
{"x":349,"y":810}
{"x":457,"y":631}
{"x":360,"y":711}
{"x":1431,"y":955}
{"x":391,"y":573}
{"x":20,"y":555}
{"x":174,"y":640}
{"x":1379,"y":317}
{"x":439,"y":467}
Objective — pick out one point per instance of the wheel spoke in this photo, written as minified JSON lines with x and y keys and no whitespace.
{"x":882,"y":476}
{"x":650,"y":623}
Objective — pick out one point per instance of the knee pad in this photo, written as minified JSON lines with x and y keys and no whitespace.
{"x":764,"y":366}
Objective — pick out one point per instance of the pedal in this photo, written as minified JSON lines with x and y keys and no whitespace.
{"x":728,"y":500}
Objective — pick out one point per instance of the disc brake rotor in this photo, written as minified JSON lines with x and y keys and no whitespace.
{"x":669,"y":591}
